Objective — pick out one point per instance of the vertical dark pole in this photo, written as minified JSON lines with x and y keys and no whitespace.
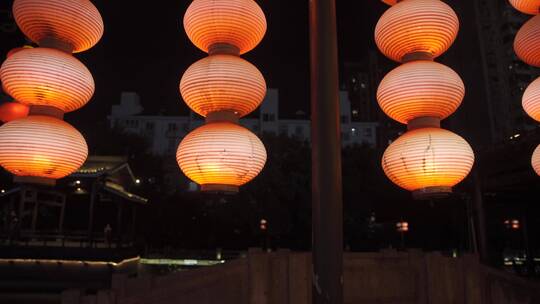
{"x":91,"y":211}
{"x":479,"y":213}
{"x":326,"y":156}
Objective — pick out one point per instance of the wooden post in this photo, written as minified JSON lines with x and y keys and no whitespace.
{"x":327,"y":201}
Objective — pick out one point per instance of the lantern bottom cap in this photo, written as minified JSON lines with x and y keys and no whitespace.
{"x":34,"y":180}
{"x":220,"y":188}
{"x":429,"y":193}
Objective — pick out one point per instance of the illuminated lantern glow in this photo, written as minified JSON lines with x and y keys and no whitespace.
{"x":47,"y":77}
{"x":530,"y":7}
{"x":221,"y":156}
{"x":12,"y":110}
{"x":527,"y":42}
{"x":535,"y":161}
{"x":427,"y":27}
{"x":17,"y":49}
{"x":223,"y":83}
{"x":531,"y":100}
{"x":41,"y":147}
{"x":428,"y":160}
{"x":420,"y":89}
{"x":390,"y":2}
{"x":75,"y":24}
{"x":238,"y":23}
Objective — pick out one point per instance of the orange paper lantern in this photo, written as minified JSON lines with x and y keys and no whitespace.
{"x":531,"y":7}
{"x":221,"y":155}
{"x":428,"y":27}
{"x":527,"y":42}
{"x":390,"y":2}
{"x":535,"y":161}
{"x":223,"y":83}
{"x":239,"y":23}
{"x":75,"y":23}
{"x":420,"y":89}
{"x":41,"y":146}
{"x":531,"y":100}
{"x":49,"y":77}
{"x":12,"y":110}
{"x":428,"y":158}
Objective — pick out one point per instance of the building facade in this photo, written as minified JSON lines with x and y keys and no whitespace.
{"x":505,"y":76}
{"x":164,"y":133}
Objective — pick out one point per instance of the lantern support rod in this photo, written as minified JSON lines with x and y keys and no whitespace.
{"x":327,"y":204}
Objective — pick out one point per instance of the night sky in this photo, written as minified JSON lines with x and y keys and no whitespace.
{"x":145,"y":49}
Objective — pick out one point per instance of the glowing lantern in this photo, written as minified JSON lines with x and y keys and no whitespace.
{"x":49,"y":77}
{"x":412,"y":28}
{"x":73,"y":25}
{"x":535,"y":161}
{"x":237,"y":23}
{"x":531,"y":7}
{"x":390,"y":2}
{"x":420,"y":89}
{"x":531,"y":100}
{"x":428,"y":161}
{"x":17,"y":49}
{"x":12,"y":110}
{"x":41,"y":147}
{"x":223,"y":83}
{"x":527,"y":42}
{"x":221,"y":156}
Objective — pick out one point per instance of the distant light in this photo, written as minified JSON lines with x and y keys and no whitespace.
{"x":79,"y":189}
{"x":78,"y":182}
{"x":3,"y":191}
{"x":137,"y":181}
{"x":353,"y":130}
{"x":517,"y":135}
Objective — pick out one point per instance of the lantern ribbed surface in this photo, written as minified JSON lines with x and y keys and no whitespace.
{"x":41,"y":146}
{"x":531,"y":7}
{"x":535,"y":161}
{"x":420,"y":89}
{"x":428,"y":157}
{"x":74,"y":22}
{"x":221,"y":153}
{"x":531,"y":100}
{"x":49,"y":77}
{"x":12,"y":110}
{"x":416,"y":26}
{"x":223,"y":83}
{"x":240,"y":23}
{"x":527,"y":42}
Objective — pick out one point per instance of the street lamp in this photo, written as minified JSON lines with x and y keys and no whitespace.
{"x":402,"y":228}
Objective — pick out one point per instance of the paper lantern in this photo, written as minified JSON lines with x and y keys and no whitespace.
{"x":531,"y":7}
{"x":390,"y":2}
{"x":12,"y":110}
{"x":221,"y":156}
{"x":527,"y":42}
{"x":75,"y":23}
{"x":420,"y":89}
{"x":223,"y":83}
{"x":49,"y":77}
{"x":17,"y":49}
{"x":41,"y":146}
{"x":535,"y":161}
{"x":426,"y":27}
{"x":239,"y":23}
{"x":531,"y":100}
{"x":428,"y":159}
